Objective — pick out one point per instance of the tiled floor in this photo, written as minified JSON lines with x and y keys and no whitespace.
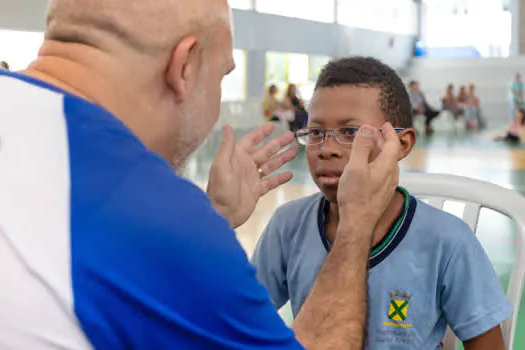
{"x":459,"y":153}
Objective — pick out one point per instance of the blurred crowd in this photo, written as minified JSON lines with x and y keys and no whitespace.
{"x":290,"y":111}
{"x":464,"y":106}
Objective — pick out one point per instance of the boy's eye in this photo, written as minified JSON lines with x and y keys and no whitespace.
{"x":349,"y":131}
{"x":346,"y":135}
{"x":315,"y":132}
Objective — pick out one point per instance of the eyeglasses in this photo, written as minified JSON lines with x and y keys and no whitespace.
{"x":345,"y":135}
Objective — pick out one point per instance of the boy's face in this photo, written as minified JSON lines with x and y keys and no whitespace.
{"x":341,"y":106}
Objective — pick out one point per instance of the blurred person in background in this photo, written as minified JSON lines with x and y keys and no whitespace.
{"x":275,"y":111}
{"x":294,"y":102}
{"x":450,"y":102}
{"x":421,"y":106}
{"x":515,"y":95}
{"x":462,"y":99}
{"x":4,"y":65}
{"x":516,"y":131}
{"x":473,"y":109}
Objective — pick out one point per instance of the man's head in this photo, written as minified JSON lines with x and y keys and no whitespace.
{"x":4,"y":65}
{"x":518,"y":77}
{"x":353,"y":92}
{"x":166,"y":59}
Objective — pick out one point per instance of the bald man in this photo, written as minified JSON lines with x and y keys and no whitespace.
{"x":103,"y":245}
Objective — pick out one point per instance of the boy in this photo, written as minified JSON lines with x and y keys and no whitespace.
{"x":427,"y":269}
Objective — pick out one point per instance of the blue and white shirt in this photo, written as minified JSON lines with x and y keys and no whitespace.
{"x":103,"y":246}
{"x":428,"y":271}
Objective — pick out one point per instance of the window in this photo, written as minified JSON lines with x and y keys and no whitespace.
{"x":315,"y":10}
{"x":241,"y":4}
{"x":234,"y":84}
{"x":277,"y":71}
{"x":317,"y":63}
{"x":393,"y":16}
{"x":19,"y":48}
{"x":299,"y":69}
{"x":466,"y":32}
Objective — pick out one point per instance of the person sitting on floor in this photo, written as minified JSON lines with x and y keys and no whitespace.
{"x":427,"y":269}
{"x":516,"y":130}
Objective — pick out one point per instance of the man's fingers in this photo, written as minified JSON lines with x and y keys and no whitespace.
{"x":255,"y":137}
{"x":275,"y":181}
{"x":389,"y":133}
{"x":269,"y":150}
{"x":364,"y":144}
{"x":227,"y":147}
{"x":390,"y":147}
{"x":278,"y":161}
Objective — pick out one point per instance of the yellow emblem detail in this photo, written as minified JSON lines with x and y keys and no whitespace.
{"x":398,"y":309}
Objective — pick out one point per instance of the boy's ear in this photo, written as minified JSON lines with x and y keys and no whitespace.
{"x":407,"y":138}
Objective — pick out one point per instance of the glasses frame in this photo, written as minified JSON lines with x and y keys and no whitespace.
{"x":334,"y":132}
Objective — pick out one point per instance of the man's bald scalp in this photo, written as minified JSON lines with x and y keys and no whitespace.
{"x":147,"y":26}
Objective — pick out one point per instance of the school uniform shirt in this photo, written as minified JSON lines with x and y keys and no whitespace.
{"x":428,"y":271}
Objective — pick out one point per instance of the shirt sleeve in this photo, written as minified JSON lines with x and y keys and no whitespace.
{"x":157,"y":268}
{"x":473,"y":299}
{"x":270,"y":263}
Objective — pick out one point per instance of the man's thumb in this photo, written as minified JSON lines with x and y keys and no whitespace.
{"x":227,"y":148}
{"x":363,"y":145}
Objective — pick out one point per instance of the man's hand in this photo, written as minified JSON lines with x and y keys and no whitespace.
{"x":367,"y":185}
{"x":238,"y":176}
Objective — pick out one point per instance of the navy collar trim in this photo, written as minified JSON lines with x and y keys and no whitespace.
{"x":389,"y":242}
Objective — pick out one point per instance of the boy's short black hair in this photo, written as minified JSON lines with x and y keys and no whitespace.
{"x":370,"y":72}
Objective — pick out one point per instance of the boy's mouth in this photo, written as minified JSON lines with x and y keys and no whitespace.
{"x":329,"y":178}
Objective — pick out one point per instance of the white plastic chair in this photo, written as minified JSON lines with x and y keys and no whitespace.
{"x":477,"y":195}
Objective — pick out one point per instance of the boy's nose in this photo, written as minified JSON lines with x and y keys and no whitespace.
{"x":331,"y":148}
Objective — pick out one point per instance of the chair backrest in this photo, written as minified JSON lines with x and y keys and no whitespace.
{"x":437,"y":189}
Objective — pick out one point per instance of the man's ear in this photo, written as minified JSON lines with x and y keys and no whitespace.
{"x":183,"y":67}
{"x":407,"y":138}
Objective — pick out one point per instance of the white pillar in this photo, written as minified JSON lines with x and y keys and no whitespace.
{"x":422,"y":14}
{"x":517,"y":8}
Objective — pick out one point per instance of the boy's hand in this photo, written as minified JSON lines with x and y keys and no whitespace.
{"x":366,"y":187}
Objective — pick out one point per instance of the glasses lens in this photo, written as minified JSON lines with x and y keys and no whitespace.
{"x":308,"y":137}
{"x":346,"y":134}
{"x":302,"y":136}
{"x":315,"y":136}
